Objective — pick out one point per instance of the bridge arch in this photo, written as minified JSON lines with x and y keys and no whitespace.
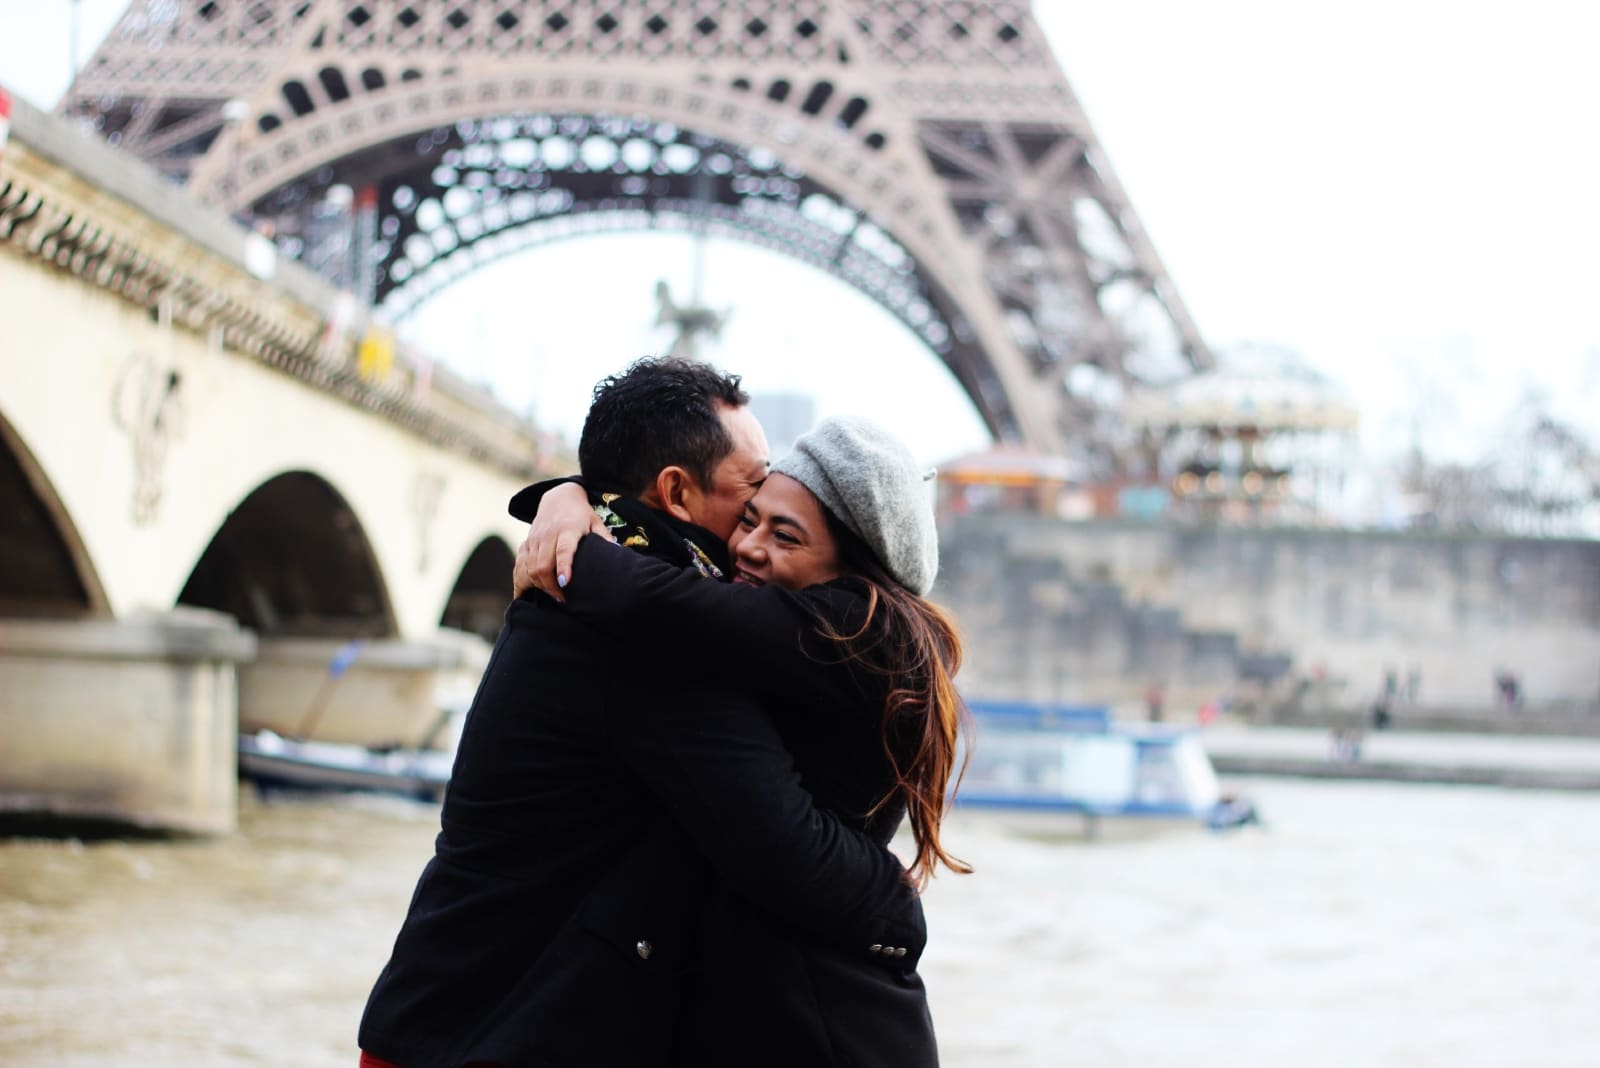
{"x":801,"y":172}
{"x":293,"y":560}
{"x":478,"y":599}
{"x":45,"y":571}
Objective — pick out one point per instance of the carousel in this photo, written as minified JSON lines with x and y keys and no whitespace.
{"x":1263,"y":438}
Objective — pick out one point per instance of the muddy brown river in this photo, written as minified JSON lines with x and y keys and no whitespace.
{"x":1364,"y":925}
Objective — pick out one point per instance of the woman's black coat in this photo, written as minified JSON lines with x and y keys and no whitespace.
{"x":767,"y":993}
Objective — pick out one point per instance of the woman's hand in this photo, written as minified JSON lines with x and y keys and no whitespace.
{"x":544,"y":560}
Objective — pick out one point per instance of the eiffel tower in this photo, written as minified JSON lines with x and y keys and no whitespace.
{"x":929,"y":153}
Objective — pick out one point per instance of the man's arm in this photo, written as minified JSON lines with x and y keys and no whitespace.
{"x":720,"y":768}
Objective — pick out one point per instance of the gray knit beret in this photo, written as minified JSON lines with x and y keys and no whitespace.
{"x":873,"y":485}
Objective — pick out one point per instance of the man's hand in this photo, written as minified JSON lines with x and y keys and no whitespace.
{"x":544,"y":560}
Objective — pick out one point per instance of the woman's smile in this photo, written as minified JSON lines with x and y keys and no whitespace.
{"x":783,"y":538}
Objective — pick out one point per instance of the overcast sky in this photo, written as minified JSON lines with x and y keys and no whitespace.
{"x":1402,"y":191}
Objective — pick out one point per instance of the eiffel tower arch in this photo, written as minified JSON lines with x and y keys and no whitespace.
{"x":929,"y":153}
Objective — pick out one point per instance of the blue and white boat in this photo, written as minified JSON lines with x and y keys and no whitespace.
{"x":1077,"y":759}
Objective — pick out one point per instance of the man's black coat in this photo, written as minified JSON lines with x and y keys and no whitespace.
{"x":557,"y":920}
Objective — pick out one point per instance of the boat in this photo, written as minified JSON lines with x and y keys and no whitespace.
{"x":422,"y":771}
{"x":272,"y":760}
{"x":1033,"y":758}
{"x":299,"y":761}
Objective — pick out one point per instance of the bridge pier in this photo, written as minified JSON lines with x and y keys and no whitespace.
{"x":378,"y":693}
{"x":128,"y":720}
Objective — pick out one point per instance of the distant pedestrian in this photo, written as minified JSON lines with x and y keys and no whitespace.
{"x":1507,"y":689}
{"x":1154,"y":701}
{"x":1348,"y":734}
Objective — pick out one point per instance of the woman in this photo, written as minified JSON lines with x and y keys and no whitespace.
{"x":827,"y":623}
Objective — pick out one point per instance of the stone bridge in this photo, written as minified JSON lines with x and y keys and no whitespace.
{"x":215,"y":475}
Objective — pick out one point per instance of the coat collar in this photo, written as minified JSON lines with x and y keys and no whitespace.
{"x":638,"y":526}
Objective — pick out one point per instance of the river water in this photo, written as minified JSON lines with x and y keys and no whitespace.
{"x":1363,"y":925}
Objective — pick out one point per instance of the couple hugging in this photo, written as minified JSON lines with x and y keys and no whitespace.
{"x":665,"y":836}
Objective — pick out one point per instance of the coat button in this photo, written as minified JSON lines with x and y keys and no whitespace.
{"x":644,"y":949}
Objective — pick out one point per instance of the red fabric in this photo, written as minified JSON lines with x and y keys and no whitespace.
{"x":369,"y":1061}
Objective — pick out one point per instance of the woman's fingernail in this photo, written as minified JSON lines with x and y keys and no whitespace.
{"x":561,"y":580}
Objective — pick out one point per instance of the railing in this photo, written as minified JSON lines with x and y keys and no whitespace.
{"x":81,"y":207}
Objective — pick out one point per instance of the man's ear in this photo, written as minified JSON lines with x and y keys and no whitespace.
{"x":675,"y":492}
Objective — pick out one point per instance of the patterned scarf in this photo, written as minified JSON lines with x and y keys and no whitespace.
{"x":640,"y":527}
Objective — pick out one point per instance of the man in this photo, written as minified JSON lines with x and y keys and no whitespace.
{"x":598,"y":789}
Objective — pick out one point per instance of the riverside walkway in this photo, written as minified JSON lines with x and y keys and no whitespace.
{"x":1538,"y":762}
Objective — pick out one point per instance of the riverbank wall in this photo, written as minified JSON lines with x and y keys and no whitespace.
{"x":1306,"y":627}
{"x":1496,"y":760}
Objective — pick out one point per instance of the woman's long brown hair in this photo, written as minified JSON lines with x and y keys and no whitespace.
{"x":914,"y":644}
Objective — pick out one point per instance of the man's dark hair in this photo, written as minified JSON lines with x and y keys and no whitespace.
{"x":659,"y":412}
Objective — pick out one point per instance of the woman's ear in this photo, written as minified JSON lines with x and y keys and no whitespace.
{"x":675,"y":492}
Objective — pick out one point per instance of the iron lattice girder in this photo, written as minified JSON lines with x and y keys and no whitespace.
{"x":1006,"y":243}
{"x":1034,"y":199}
{"x":442,"y":194}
